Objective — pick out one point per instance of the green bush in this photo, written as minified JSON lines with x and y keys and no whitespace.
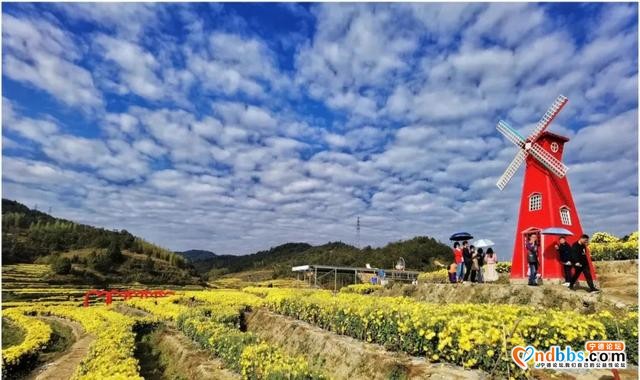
{"x":61,"y":265}
{"x":503,"y":267}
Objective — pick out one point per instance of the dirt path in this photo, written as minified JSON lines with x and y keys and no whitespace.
{"x":619,"y":281}
{"x":63,"y":367}
{"x":342,"y":357}
{"x":630,"y":373}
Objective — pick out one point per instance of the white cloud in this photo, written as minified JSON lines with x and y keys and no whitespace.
{"x":231,"y":64}
{"x":223,"y":145}
{"x":44,"y":56}
{"x":137,"y":66}
{"x":127,"y":20}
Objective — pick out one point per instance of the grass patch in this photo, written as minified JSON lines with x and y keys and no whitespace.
{"x":61,"y":339}
{"x":12,"y":334}
{"x":151,"y":359}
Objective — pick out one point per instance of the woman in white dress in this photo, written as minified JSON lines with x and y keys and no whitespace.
{"x":491,"y":259}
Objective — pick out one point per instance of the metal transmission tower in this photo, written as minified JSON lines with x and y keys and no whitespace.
{"x":358,"y":233}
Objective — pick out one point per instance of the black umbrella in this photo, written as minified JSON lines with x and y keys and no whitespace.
{"x":461,"y":236}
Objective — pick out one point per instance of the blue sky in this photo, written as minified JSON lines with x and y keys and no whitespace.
{"x":237,"y":127}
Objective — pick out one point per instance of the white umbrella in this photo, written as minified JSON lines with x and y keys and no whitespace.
{"x":556,"y":231}
{"x":483,"y":243}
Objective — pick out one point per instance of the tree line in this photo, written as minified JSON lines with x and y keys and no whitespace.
{"x":29,"y":234}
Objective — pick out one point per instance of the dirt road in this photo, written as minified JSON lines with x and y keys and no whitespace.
{"x":63,"y":367}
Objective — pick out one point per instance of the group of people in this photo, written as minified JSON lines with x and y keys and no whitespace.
{"x":573,"y":259}
{"x":471,"y":264}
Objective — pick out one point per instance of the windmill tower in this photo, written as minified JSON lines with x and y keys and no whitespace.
{"x":546,"y":199}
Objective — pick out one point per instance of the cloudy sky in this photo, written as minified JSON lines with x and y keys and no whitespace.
{"x":238,"y":127}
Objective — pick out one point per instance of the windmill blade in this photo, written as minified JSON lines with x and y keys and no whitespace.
{"x":548,"y":117}
{"x":547,"y":159}
{"x":510,"y":133}
{"x":511,"y":169}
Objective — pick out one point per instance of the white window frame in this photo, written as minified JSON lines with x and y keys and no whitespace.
{"x":565,"y":216}
{"x":533,"y":204}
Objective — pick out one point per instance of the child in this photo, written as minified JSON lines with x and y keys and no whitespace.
{"x":452,"y":273}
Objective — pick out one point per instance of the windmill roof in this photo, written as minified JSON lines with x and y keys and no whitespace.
{"x":554,"y":136}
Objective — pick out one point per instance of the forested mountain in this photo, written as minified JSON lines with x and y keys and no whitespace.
{"x":33,"y":236}
{"x":194,"y":255}
{"x":419,"y":254}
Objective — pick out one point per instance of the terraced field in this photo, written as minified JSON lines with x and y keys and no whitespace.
{"x":296,"y":333}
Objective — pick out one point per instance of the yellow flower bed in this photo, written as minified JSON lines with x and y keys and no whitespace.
{"x":471,"y":335}
{"x":226,"y":297}
{"x":111,"y":355}
{"x":437,"y":276}
{"x":605,"y":246}
{"x":360,"y":288}
{"x":164,"y":308}
{"x":262,"y":361}
{"x":215,"y":326}
{"x":37,"y":335}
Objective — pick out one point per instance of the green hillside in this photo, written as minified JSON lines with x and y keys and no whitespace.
{"x":419,"y":254}
{"x":83,"y":253}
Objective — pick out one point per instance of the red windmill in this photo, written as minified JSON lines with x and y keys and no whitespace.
{"x":546,"y":199}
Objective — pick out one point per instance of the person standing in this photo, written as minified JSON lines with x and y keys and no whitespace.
{"x":532,"y":258}
{"x":480,"y":274}
{"x":457,"y":258}
{"x":491,"y":259}
{"x":564,"y":250}
{"x":466,"y":257}
{"x":474,"y":264}
{"x":581,"y":264}
{"x":452,"y":273}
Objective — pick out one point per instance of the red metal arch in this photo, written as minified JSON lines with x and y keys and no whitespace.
{"x":126,"y":294}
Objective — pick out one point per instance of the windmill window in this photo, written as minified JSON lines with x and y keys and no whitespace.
{"x":535,"y":202}
{"x":565,"y":216}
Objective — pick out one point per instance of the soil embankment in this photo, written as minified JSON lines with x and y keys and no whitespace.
{"x":343,"y":357}
{"x":181,"y":358}
{"x":618,"y":281}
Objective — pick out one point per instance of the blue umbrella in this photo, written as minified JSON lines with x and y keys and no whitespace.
{"x":461,"y":236}
{"x":556,"y":231}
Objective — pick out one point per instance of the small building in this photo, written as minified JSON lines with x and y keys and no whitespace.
{"x":337,"y":277}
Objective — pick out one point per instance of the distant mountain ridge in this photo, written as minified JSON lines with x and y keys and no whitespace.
{"x":194,"y":255}
{"x":419,"y":253}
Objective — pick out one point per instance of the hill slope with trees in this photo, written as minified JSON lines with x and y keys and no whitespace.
{"x":91,"y":253}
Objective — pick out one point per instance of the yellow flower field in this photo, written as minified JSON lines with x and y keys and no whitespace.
{"x":469,"y":335}
{"x":37,"y":335}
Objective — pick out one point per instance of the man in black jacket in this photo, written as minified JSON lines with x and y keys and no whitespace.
{"x":564,"y":250}
{"x":580,"y":262}
{"x":466,"y":256}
